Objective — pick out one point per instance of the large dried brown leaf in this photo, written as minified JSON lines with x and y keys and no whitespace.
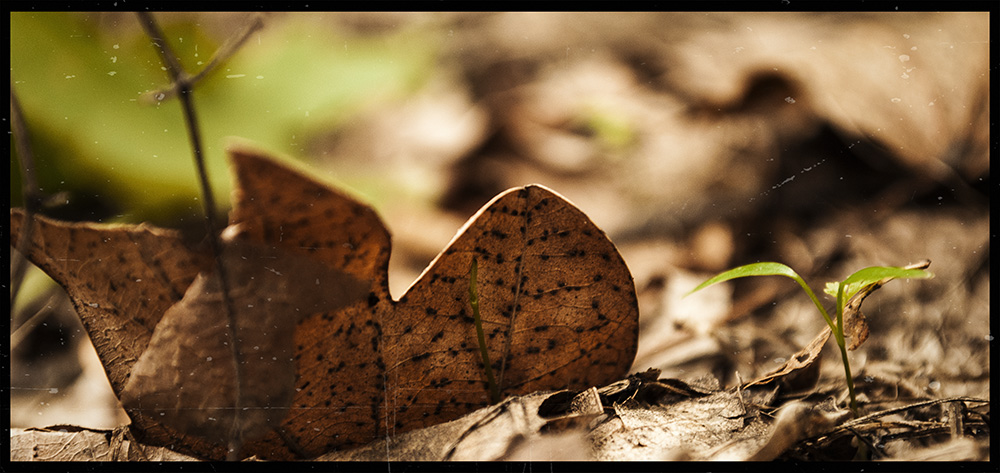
{"x":123,"y":277}
{"x":270,"y":290}
{"x":558,"y":307}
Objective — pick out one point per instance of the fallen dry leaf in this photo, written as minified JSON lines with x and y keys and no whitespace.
{"x":270,"y":291}
{"x":71,"y":443}
{"x":558,"y":307}
{"x":801,"y":360}
{"x":121,"y":279}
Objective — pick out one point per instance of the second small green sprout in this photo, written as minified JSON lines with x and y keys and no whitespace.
{"x":861,"y":282}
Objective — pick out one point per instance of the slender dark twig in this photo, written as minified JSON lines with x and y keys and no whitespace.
{"x":182,"y":85}
{"x":29,"y":189}
{"x":870,"y":417}
{"x":221,"y":56}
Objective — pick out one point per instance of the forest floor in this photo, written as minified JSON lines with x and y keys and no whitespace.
{"x":697,"y":143}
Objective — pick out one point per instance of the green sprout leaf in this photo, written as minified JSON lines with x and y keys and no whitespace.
{"x":767,"y":269}
{"x":875,"y":274}
{"x":753,"y":269}
{"x":869,"y":276}
{"x":862,"y":278}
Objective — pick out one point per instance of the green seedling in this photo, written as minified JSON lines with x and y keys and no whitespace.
{"x":474,"y":302}
{"x":859,"y":284}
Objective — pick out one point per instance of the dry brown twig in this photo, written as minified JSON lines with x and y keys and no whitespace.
{"x":183,"y":85}
{"x":29,"y":191}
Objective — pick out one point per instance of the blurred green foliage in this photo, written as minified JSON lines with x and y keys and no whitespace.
{"x":81,"y":77}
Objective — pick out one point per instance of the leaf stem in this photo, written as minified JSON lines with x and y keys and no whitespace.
{"x":474,"y":302}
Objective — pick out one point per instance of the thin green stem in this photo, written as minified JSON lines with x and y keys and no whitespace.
{"x":819,"y":305}
{"x":839,"y":333}
{"x":850,"y":380}
{"x":474,"y":302}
